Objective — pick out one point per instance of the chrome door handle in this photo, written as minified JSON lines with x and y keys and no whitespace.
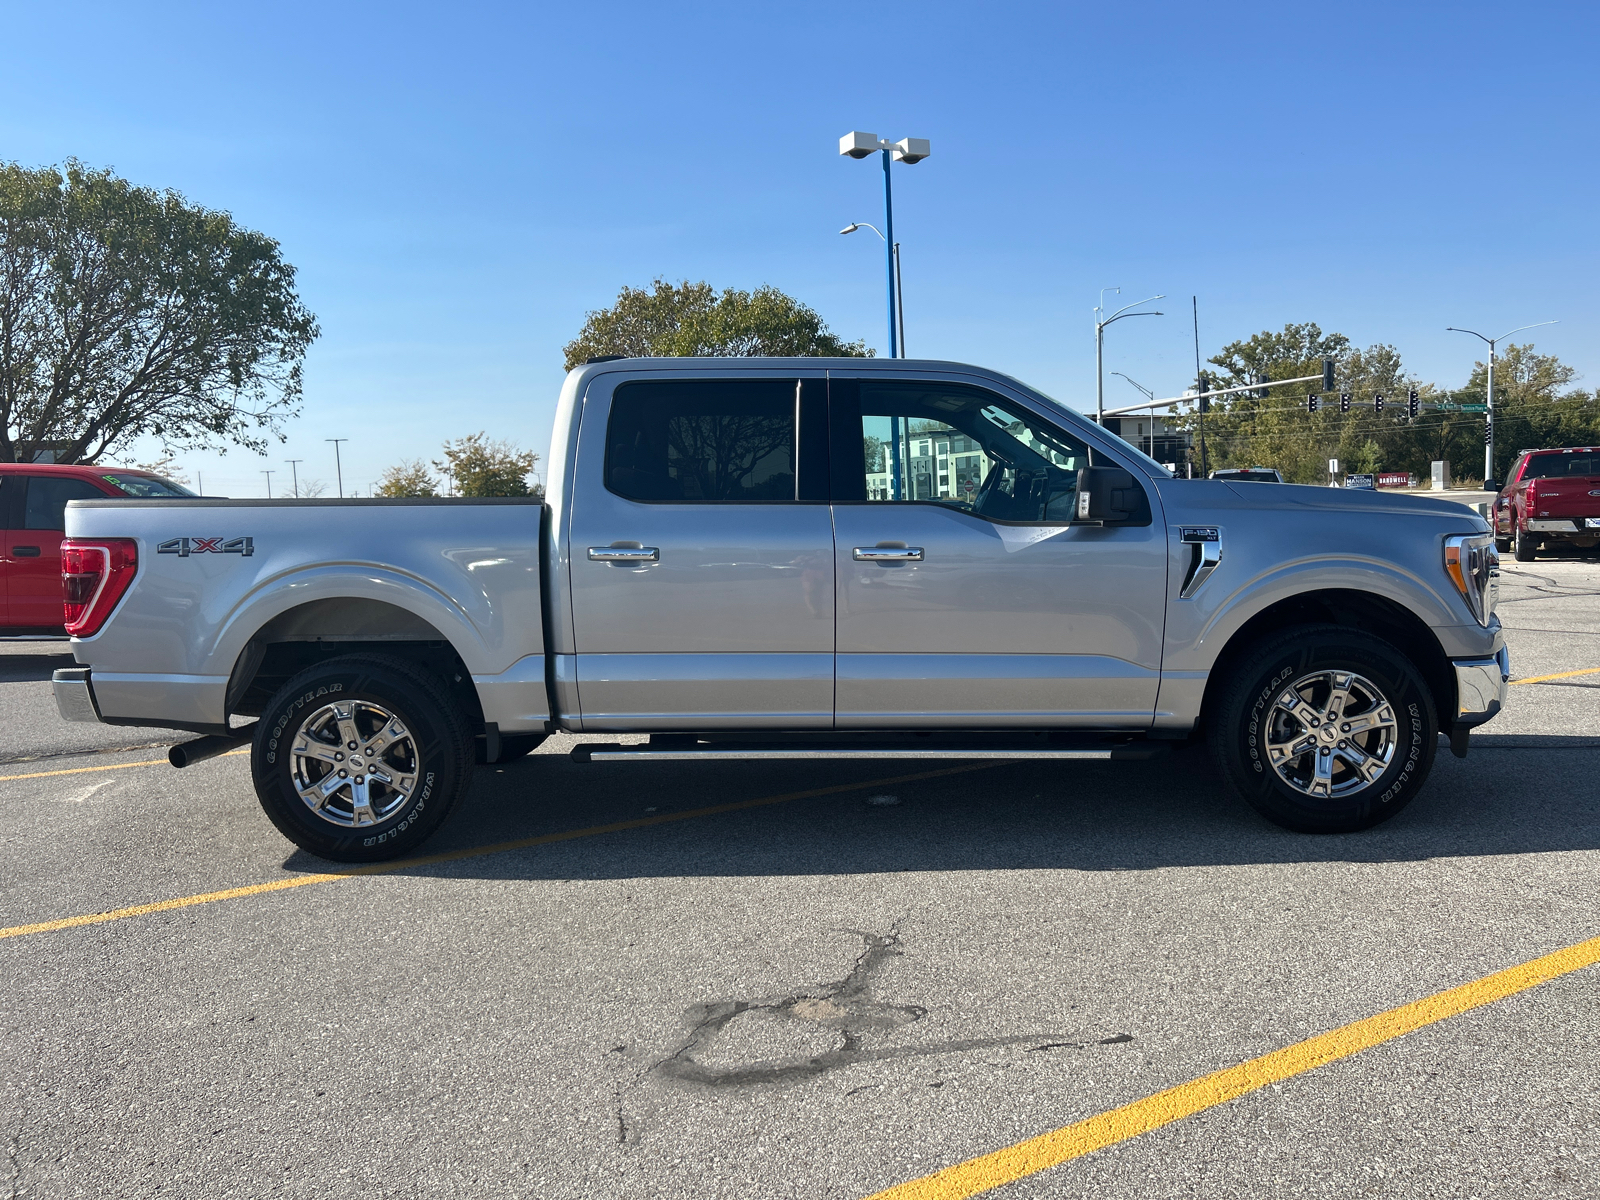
{"x":624,"y":554}
{"x":887,"y":554}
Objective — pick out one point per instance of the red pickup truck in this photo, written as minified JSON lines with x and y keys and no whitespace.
{"x":33,"y":501}
{"x":1550,"y":497}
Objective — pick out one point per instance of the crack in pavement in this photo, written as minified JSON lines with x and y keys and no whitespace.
{"x":846,"y":1008}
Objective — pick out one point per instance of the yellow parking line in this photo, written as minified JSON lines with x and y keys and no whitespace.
{"x":1558,"y":675}
{"x":154,"y":762}
{"x":388,"y":868}
{"x":987,"y":1171}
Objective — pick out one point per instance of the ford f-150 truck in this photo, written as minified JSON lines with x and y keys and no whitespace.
{"x":1550,"y":496}
{"x":769,"y":558}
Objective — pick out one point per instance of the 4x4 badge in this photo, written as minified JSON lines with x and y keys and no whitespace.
{"x":184,"y":547}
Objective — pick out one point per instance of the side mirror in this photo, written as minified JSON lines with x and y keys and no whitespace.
{"x":1105,"y":494}
{"x":1492,"y":485}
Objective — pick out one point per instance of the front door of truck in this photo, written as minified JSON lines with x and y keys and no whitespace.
{"x":965,"y":597}
{"x":701,"y":555}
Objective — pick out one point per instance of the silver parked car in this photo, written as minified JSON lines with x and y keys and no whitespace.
{"x":765,"y":558}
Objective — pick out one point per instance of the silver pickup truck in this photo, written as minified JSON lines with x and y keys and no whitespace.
{"x":769,"y":558}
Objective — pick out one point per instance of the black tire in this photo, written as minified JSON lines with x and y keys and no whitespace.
{"x":1249,"y":717}
{"x":434,"y":747}
{"x":1524,"y":548}
{"x":1503,"y":545}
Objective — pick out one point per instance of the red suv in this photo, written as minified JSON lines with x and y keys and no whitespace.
{"x":1551,"y":496}
{"x":33,"y":501}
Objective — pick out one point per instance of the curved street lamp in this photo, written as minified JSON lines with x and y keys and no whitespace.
{"x":899,"y":291}
{"x":1488,"y":406}
{"x":1099,"y":342}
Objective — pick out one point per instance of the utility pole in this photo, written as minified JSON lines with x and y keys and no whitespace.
{"x":337,"y":466}
{"x":268,"y":474}
{"x":294,"y":469}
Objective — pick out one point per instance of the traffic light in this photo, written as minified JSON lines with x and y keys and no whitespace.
{"x":1261,"y":392}
{"x":1344,"y":402}
{"x":1411,"y":403}
{"x":1311,"y":402}
{"x":1377,"y":402}
{"x":1202,"y":386}
{"x":1327,"y":374}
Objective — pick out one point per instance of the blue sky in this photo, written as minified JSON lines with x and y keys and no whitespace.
{"x":459,"y":184}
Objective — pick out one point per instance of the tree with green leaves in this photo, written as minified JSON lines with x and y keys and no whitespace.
{"x":478,"y":465}
{"x":409,"y":478}
{"x":691,"y":320}
{"x":127,"y":311}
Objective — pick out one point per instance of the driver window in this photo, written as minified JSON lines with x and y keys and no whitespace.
{"x":968,"y":449}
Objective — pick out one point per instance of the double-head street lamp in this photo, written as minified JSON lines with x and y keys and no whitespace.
{"x":1100,"y":323}
{"x":1488,"y":405}
{"x":907,"y":150}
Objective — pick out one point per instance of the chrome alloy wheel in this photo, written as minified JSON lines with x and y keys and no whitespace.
{"x":1331,"y":733}
{"x":354,"y":763}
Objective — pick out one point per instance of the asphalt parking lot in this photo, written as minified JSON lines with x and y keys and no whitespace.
{"x":838,"y":980}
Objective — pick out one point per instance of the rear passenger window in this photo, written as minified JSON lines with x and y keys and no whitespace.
{"x":47,"y":500}
{"x":703,"y":442}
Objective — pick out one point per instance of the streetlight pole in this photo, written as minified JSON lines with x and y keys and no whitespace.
{"x":1150,"y":396}
{"x":1488,"y":406}
{"x":337,"y":466}
{"x":897,"y":292}
{"x":268,"y":474}
{"x":294,"y":468}
{"x":1100,"y":324}
{"x":908,"y":150}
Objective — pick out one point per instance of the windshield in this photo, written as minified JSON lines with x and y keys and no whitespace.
{"x":1552,"y":466}
{"x":1247,"y":476}
{"x":150,"y":487}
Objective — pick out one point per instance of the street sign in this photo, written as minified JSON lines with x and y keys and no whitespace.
{"x":1333,"y":466}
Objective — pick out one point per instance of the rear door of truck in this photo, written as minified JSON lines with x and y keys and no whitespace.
{"x":701,"y":552}
{"x":33,"y":552}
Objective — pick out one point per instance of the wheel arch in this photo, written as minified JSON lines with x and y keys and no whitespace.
{"x":337,"y":626}
{"x":1353,"y":609}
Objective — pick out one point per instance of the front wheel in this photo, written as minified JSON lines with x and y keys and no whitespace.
{"x":1325,"y":730}
{"x":360,"y":759}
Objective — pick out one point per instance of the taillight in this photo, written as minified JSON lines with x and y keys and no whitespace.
{"x":94,"y":574}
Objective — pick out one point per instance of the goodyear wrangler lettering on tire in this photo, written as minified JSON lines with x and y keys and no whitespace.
{"x":361,"y":758}
{"x":1324,"y":729}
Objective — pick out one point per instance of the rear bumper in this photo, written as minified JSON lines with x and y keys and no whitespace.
{"x":74,"y":694}
{"x":151,"y":701}
{"x":1481,"y":687}
{"x":1564,"y":525}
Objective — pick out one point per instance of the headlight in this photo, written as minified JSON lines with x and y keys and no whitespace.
{"x":1473,"y":565}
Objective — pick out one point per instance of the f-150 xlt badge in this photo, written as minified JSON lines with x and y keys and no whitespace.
{"x":183,"y":547}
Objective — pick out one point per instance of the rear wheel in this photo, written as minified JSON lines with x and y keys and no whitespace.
{"x":360,"y":759}
{"x":1525,"y":548}
{"x":1325,"y":730}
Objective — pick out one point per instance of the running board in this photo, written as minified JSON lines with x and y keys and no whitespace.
{"x":611,"y":752}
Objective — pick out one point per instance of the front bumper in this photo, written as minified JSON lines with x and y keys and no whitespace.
{"x":75,"y":694}
{"x":1481,"y":687}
